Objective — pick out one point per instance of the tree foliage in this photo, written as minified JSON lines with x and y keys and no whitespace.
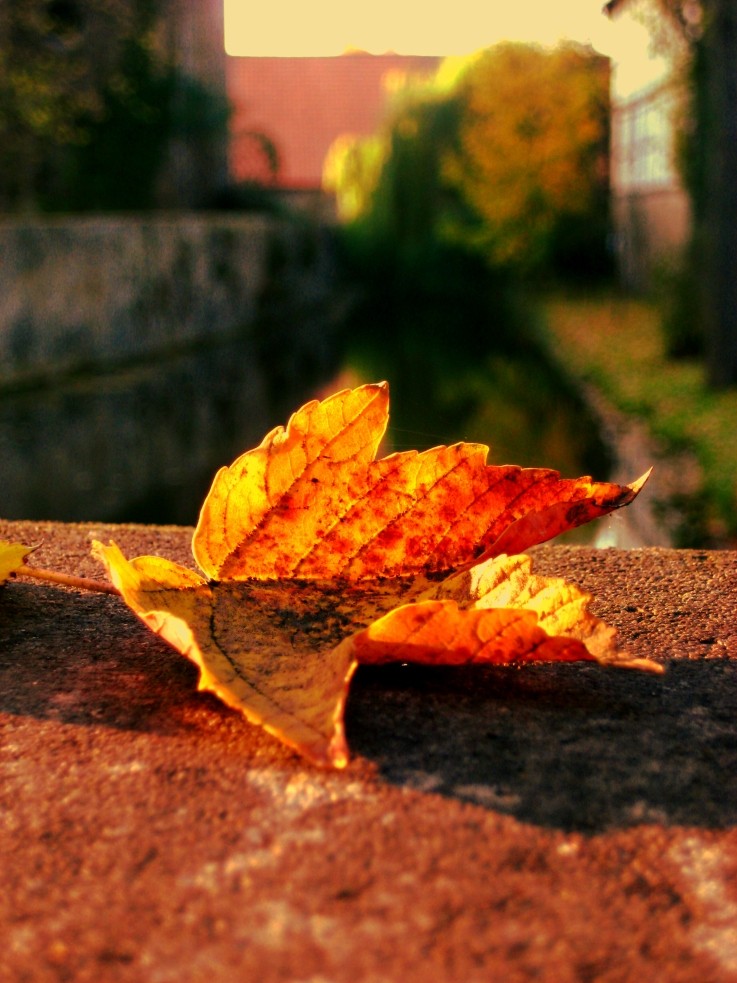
{"x":507,"y":161}
{"x":703,"y":51}
{"x":426,"y":298}
{"x":532,"y":155}
{"x":56,"y":59}
{"x":90,"y":95}
{"x":391,"y":184}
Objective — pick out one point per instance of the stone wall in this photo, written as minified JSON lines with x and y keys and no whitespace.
{"x":99,"y":291}
{"x":138,"y":356}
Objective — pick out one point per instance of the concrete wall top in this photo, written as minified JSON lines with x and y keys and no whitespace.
{"x":559,"y":822}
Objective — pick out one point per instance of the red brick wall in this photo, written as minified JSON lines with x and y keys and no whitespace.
{"x":303,"y":104}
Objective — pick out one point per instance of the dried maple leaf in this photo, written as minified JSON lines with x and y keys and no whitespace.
{"x":311,"y":501}
{"x":12,"y":557}
{"x":318,"y":557}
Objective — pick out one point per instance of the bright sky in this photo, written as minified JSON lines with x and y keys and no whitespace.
{"x":330,"y":27}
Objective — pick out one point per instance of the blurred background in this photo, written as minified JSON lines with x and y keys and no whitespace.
{"x":524,"y":220}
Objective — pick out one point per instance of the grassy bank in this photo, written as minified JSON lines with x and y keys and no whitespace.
{"x":617,"y":345}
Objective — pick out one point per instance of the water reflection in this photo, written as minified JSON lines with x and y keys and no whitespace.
{"x":456,"y":385}
{"x":140,"y":444}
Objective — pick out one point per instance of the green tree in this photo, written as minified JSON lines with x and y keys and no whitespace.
{"x":704,"y":56}
{"x":54,"y":58}
{"x":713,"y":159}
{"x":392,"y":186}
{"x":148,"y":104}
{"x":504,"y":157}
{"x":532,"y":156}
{"x":90,"y":100}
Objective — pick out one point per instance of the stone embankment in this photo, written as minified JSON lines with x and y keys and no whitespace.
{"x":91,"y":293}
{"x":138,"y":355}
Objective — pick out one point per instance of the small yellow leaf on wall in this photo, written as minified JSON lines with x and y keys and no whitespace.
{"x":12,"y":558}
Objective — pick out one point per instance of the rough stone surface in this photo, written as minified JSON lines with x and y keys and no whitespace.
{"x":560,"y":824}
{"x":93,"y":292}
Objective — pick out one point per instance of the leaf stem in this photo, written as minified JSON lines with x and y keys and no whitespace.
{"x":67,"y":580}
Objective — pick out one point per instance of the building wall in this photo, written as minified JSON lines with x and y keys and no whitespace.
{"x":652,"y":229}
{"x":303,"y":104}
{"x":650,"y":205}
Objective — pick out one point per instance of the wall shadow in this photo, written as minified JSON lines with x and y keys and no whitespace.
{"x":573,"y":747}
{"x":55,"y":663}
{"x":569,"y":747}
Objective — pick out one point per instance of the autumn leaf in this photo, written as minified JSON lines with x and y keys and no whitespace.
{"x":12,"y":557}
{"x":317,"y":557}
{"x":312,"y":502}
{"x":267,"y":649}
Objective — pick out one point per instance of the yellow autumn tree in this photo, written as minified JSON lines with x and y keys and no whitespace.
{"x":502,"y":154}
{"x":531,"y":155}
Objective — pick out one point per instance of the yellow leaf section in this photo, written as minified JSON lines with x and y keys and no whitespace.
{"x":561,"y":608}
{"x":310,"y":502}
{"x":253,"y":645}
{"x":440,"y":633}
{"x":343,"y":431}
{"x":12,"y":558}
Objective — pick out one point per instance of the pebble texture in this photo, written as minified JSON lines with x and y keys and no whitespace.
{"x":558,"y":824}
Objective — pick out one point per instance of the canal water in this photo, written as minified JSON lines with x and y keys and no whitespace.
{"x":141,"y":444}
